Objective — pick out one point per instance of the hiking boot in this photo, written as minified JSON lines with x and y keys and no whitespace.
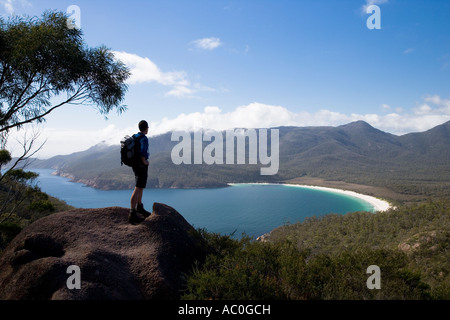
{"x":133,"y":218}
{"x":141,"y":210}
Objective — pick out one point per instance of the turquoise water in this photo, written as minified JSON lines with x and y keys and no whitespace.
{"x":247,"y":208}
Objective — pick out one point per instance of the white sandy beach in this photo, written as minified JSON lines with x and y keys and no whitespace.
{"x":378,"y":204}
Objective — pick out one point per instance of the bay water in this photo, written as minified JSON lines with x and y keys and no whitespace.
{"x":253,"y":209}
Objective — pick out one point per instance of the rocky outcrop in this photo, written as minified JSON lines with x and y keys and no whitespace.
{"x":116,"y":260}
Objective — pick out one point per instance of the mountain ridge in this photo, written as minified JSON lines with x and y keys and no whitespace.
{"x":354,"y":153}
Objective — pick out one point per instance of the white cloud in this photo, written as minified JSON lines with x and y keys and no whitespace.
{"x":432,"y":112}
{"x":375,"y":2}
{"x":179,"y":91}
{"x":257,"y":115}
{"x":60,"y":141}
{"x":372,"y":2}
{"x":423,"y":109}
{"x":207,"y":43}
{"x":143,"y":70}
{"x":11,"y":6}
{"x":435,"y":99}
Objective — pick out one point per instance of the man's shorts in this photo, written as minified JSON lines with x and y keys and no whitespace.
{"x":140,"y":174}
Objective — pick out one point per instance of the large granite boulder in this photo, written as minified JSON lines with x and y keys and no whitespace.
{"x":116,"y":260}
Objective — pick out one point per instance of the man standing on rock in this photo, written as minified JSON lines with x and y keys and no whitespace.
{"x":140,"y":169}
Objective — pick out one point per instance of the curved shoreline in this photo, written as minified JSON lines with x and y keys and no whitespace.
{"x":378,"y":204}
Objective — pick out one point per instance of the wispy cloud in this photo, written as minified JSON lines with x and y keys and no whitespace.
{"x":143,"y":70}
{"x":372,"y":2}
{"x":12,"y":6}
{"x":408,"y":51}
{"x":445,"y":60}
{"x":431,"y":112}
{"x":207,"y":43}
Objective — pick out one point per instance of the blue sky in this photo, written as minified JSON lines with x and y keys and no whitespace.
{"x":256,"y":63}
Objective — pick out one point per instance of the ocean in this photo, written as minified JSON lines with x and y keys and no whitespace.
{"x":251,"y":209}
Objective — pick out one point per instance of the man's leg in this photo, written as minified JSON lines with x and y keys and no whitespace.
{"x":136,"y":198}
{"x":134,"y":201}
{"x":142,"y":183}
{"x":140,"y":206}
{"x":139,"y":195}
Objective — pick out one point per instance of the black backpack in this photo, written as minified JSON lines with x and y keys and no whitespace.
{"x":130,"y":148}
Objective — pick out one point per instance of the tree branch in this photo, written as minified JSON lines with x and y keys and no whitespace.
{"x":16,"y":107}
{"x":5,"y":71}
{"x":74,"y":97}
{"x":27,"y":147}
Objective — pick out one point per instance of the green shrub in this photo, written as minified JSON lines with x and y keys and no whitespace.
{"x":246,"y":270}
{"x":237,"y":269}
{"x":8,"y":231}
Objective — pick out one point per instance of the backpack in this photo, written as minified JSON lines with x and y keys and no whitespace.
{"x":130,"y":148}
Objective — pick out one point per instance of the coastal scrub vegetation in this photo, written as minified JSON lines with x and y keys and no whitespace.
{"x":328,"y":257}
{"x":21,"y":201}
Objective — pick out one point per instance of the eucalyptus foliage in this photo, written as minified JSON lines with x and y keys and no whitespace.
{"x":44,"y":65}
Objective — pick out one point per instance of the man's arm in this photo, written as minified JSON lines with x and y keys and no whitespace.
{"x":144,"y":150}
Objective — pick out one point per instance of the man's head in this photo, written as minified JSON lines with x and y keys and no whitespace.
{"x":143,"y":126}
